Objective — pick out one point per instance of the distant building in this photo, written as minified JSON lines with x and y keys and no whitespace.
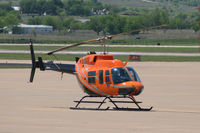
{"x":35,"y":29}
{"x":16,"y":8}
{"x":99,"y":12}
{"x":5,"y":30}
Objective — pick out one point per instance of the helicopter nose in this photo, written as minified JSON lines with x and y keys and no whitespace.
{"x":138,"y":90}
{"x":131,"y":87}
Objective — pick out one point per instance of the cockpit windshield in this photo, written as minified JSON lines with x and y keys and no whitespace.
{"x":134,"y":74}
{"x":120,"y":75}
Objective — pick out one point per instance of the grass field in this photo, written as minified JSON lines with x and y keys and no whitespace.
{"x":133,"y":41}
{"x":164,"y":37}
{"x":170,"y":41}
{"x":56,"y":37}
{"x":72,"y":58}
{"x":14,"y":66}
{"x":129,"y":3}
{"x":148,"y":4}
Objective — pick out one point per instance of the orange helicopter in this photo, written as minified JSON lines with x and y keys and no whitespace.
{"x":99,"y":75}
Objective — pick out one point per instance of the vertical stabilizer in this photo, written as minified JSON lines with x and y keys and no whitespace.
{"x":34,"y":64}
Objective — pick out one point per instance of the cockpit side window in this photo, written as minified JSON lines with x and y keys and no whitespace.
{"x":134,"y":74}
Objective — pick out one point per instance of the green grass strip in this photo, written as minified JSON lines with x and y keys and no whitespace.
{"x":123,"y":58}
{"x":170,"y":41}
{"x":119,"y":49}
{"x":63,"y":40}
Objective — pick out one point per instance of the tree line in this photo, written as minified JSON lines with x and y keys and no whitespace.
{"x":8,"y":17}
{"x":59,"y":7}
{"x":114,"y":23}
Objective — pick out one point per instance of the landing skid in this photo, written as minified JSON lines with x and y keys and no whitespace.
{"x":111,"y":101}
{"x":133,"y":109}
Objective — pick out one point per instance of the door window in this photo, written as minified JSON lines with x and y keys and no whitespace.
{"x":100,"y":76}
{"x":92,"y":77}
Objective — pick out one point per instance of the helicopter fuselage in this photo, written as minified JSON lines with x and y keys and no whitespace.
{"x":101,"y":75}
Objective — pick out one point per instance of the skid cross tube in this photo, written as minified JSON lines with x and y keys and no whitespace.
{"x":110,"y":100}
{"x":102,"y":102}
{"x":81,"y":101}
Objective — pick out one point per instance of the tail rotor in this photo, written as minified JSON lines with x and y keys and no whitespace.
{"x":33,"y":61}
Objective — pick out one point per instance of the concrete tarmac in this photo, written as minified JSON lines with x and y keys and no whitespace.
{"x":173,"y":89}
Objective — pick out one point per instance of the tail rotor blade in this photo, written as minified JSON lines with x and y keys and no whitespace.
{"x":32,"y":52}
{"x":132,"y":31}
{"x":32,"y":73}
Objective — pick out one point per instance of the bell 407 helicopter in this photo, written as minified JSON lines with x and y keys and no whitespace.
{"x":99,"y":75}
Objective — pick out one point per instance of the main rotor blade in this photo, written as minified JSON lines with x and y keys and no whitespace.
{"x":128,"y":32}
{"x":103,"y":38}
{"x":73,"y":45}
{"x":132,"y":31}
